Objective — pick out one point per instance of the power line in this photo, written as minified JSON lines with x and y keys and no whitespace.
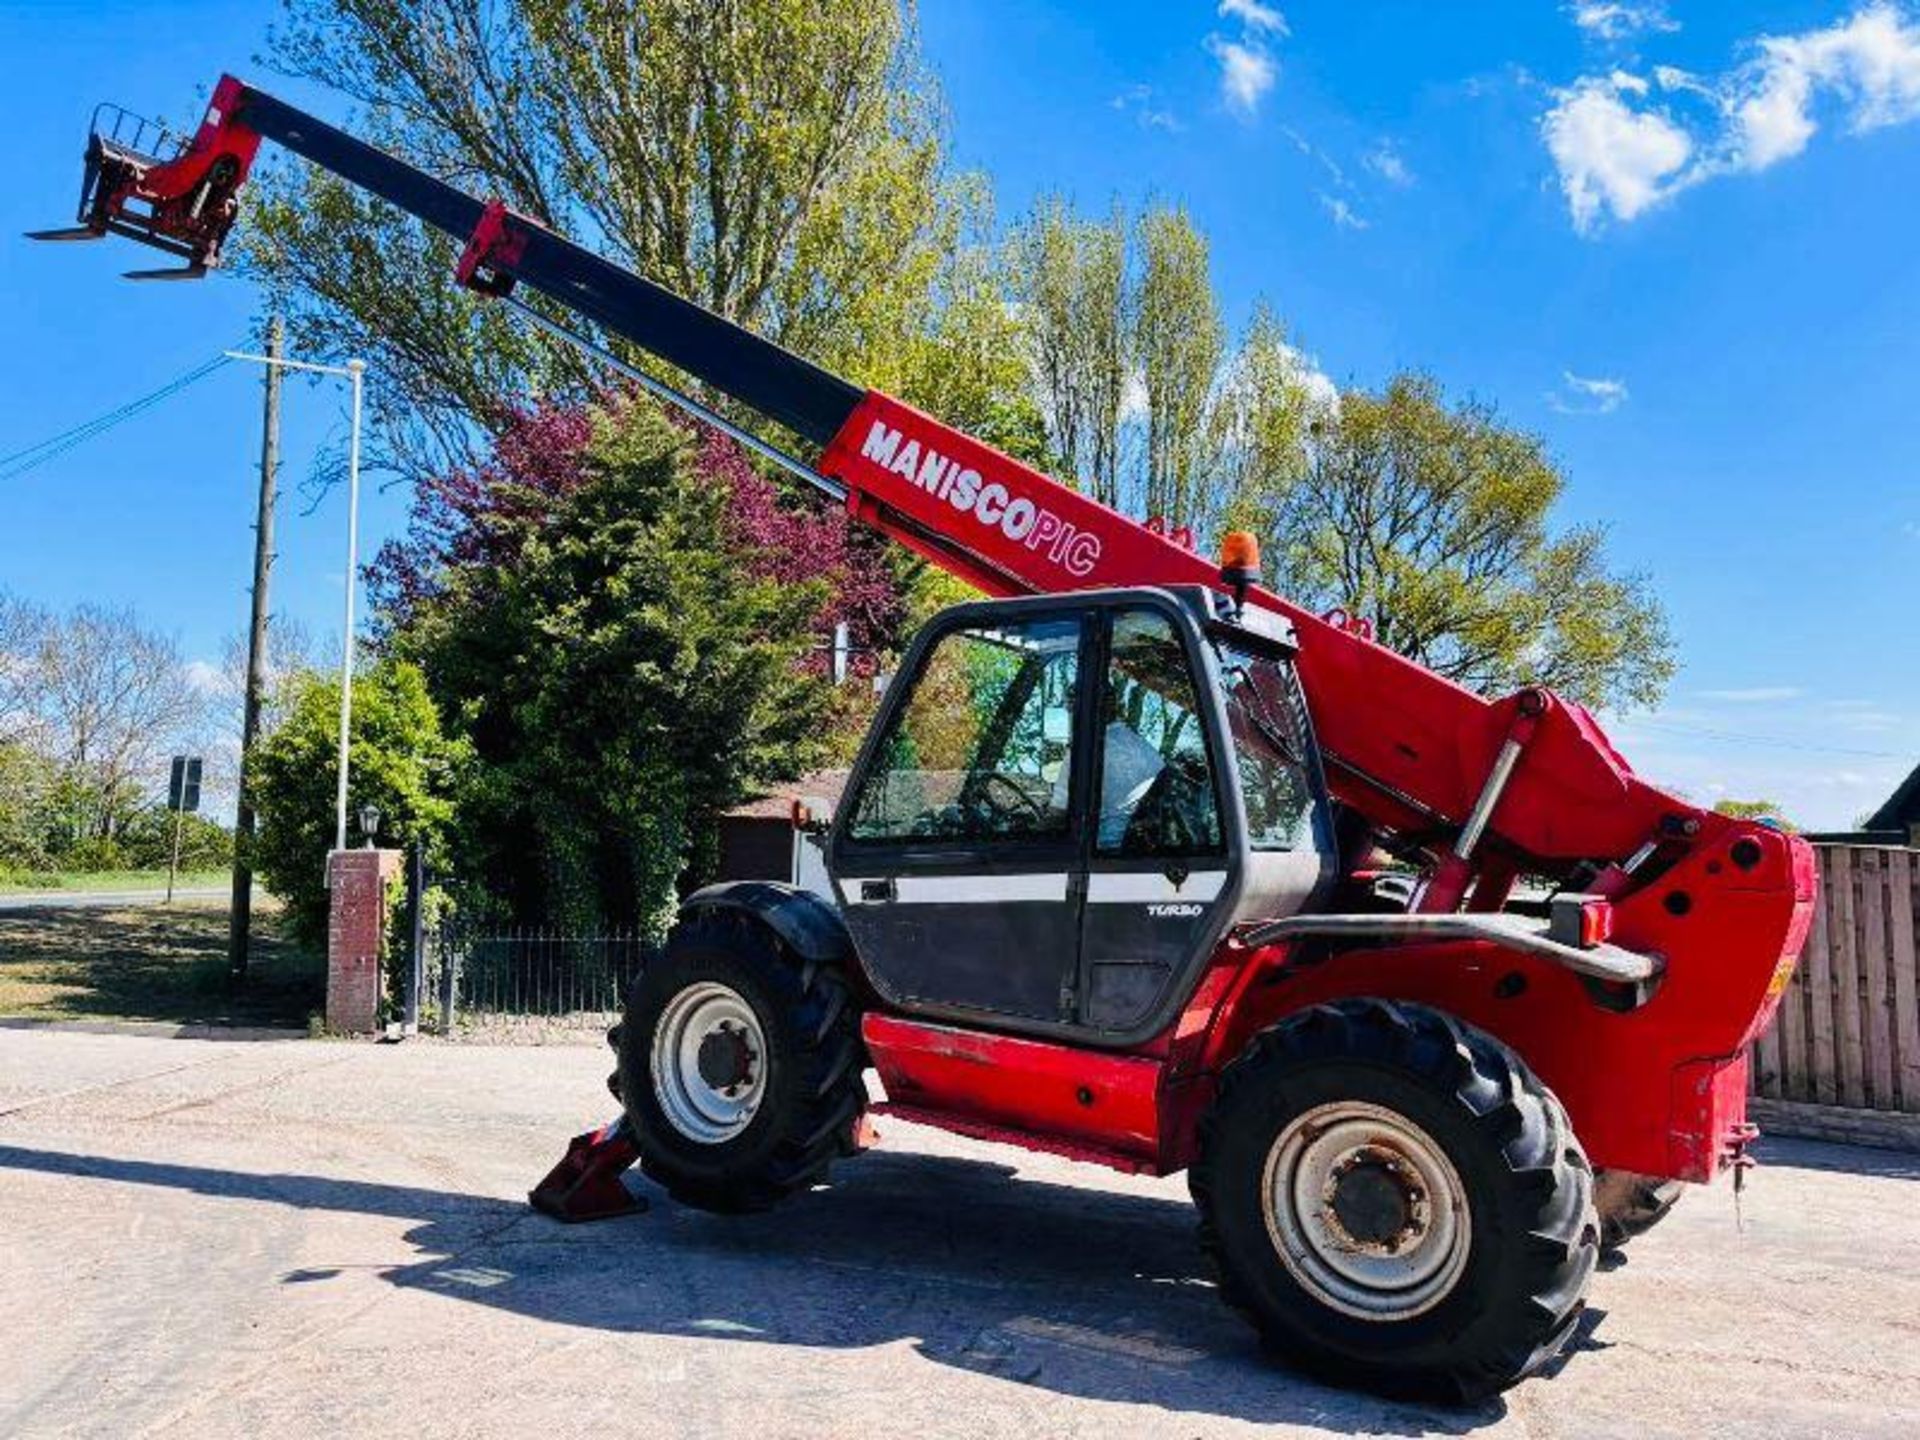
{"x":34,"y":456}
{"x":1776,"y":741}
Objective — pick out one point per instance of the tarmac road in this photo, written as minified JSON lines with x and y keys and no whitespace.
{"x":104,"y":899}
{"x":202,"y":1237}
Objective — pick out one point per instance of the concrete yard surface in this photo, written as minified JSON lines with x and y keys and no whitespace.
{"x":288,"y":1238}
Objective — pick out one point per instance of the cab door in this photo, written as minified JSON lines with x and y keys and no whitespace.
{"x":1159,"y":862}
{"x":957,"y":853}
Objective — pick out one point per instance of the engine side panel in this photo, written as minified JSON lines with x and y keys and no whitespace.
{"x":1658,"y":1088}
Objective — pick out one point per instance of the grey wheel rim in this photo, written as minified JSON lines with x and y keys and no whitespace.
{"x":709,"y":1063}
{"x":1366,"y":1211}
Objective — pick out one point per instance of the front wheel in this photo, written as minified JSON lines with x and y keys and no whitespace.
{"x":1394,"y":1200}
{"x":739,"y":1065}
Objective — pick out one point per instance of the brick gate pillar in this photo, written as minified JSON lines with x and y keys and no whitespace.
{"x":356,"y":928}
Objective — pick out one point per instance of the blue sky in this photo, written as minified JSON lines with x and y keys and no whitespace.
{"x":1674,"y":240}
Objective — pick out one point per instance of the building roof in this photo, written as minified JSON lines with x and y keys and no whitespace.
{"x":1902,"y":808}
{"x":827,"y":785}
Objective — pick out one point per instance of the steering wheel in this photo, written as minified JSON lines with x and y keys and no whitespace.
{"x":1025,"y":801}
{"x":1164,"y":821}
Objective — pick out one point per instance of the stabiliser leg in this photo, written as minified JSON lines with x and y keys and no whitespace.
{"x":585,"y":1185}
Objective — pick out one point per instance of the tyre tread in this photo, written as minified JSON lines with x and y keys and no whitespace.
{"x":1502,"y":1098}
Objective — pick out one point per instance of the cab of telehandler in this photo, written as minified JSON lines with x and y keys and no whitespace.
{"x":1066,"y":801}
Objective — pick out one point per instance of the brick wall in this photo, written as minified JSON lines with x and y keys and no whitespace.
{"x":356,"y":929}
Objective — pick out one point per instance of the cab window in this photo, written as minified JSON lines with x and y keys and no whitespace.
{"x":982,"y":748}
{"x":1157,"y":790}
{"x":1267,"y":730}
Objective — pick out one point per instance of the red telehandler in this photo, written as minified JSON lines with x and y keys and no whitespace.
{"x":1105,"y":881}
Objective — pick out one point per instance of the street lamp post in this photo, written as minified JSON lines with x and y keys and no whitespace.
{"x":354,"y":371}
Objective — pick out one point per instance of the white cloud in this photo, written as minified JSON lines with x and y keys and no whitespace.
{"x":1610,"y":156}
{"x":1341,"y":213}
{"x":1247,"y":68}
{"x":206,"y":677}
{"x":1753,"y":694}
{"x":1619,"y":150}
{"x":1621,"y":19}
{"x":1140,"y":102}
{"x":1386,"y":161}
{"x":1247,"y":73}
{"x":1672,"y":77}
{"x":1314,"y":152}
{"x":1870,"y":63}
{"x":1587,"y":395}
{"x":1254,"y":15}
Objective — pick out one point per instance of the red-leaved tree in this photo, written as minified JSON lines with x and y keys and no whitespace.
{"x":455,"y":523}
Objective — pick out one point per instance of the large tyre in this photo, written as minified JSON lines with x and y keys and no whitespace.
{"x":739,"y":1065}
{"x":1394,"y":1200}
{"x":1631,"y":1204}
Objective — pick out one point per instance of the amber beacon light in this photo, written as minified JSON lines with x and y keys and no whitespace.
{"x":1240,"y":562}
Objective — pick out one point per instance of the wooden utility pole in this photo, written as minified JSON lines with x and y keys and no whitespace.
{"x":240,"y":916}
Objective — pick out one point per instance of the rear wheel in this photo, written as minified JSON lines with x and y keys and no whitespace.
{"x":1631,"y":1204}
{"x":739,"y":1065}
{"x":1394,"y":1200}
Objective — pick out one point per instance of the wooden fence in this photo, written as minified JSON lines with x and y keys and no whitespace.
{"x":1847,"y":1034}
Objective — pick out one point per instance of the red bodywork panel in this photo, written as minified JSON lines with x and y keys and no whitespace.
{"x":1053,"y":1098}
{"x":1724,"y":904}
{"x":1659,"y":1088}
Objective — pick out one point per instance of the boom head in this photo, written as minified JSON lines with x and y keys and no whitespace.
{"x":176,"y":194}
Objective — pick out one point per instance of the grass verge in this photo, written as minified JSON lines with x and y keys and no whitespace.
{"x":153,"y":963}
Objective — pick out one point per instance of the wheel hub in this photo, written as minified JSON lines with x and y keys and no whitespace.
{"x":708,"y":1062}
{"x":1375,"y":1202}
{"x":725,"y":1060}
{"x":1366,"y":1211}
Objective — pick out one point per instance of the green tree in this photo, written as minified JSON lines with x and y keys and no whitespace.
{"x":30,"y":825}
{"x":1754,"y":810}
{"x":1070,"y":276}
{"x":779,"y":161}
{"x":624,"y":672}
{"x":147,"y":841}
{"x":103,"y":700}
{"x":1263,"y":411}
{"x":1432,"y":520}
{"x":1179,"y":342}
{"x":960,"y":359}
{"x":1146,"y":406}
{"x":399,"y":760}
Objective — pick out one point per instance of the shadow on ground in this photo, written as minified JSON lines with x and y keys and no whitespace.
{"x":1088,"y":1293}
{"x":161,"y":963}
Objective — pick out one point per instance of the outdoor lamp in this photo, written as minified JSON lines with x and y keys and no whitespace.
{"x":369,"y":822}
